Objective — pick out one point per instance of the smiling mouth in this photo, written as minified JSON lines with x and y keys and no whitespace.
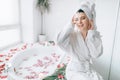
{"x":81,"y":25}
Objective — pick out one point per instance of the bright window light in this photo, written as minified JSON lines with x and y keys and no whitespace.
{"x":9,"y":12}
{"x":7,"y":37}
{"x":9,"y":22}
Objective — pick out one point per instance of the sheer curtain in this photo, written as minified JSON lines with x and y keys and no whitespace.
{"x":9,"y":23}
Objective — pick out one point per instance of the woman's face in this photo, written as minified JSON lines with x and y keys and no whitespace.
{"x":82,"y":21}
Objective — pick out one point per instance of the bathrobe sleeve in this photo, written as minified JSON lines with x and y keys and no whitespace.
{"x":63,"y":38}
{"x":94,"y":43}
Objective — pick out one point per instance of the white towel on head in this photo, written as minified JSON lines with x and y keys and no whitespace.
{"x":88,"y":6}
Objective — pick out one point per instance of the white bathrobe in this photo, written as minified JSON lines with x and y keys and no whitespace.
{"x":81,"y":52}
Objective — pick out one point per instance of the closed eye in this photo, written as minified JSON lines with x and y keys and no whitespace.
{"x":83,"y":17}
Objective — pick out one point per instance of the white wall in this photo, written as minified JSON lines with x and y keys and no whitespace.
{"x":115,"y":65}
{"x":36,"y":21}
{"x":30,"y":21}
{"x":106,"y":21}
{"x":61,"y":12}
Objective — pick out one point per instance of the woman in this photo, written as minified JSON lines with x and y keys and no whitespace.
{"x":82,"y":42}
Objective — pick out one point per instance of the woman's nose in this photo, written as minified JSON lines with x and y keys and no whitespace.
{"x":80,"y":21}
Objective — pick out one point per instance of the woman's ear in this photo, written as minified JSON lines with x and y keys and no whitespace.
{"x":91,"y":25}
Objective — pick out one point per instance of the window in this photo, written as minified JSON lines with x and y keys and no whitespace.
{"x":9,"y":23}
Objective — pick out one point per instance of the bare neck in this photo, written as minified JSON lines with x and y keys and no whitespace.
{"x":84,"y":34}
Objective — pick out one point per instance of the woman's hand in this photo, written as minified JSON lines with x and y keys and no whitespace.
{"x":74,"y":19}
